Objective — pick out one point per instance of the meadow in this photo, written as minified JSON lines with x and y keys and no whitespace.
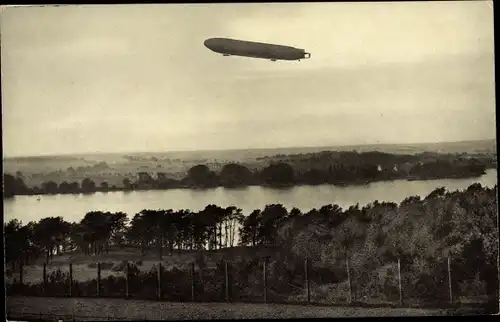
{"x":119,"y":309}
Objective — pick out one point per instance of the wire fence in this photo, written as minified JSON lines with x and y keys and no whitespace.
{"x":399,"y":283}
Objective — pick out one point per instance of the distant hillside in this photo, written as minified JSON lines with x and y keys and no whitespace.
{"x":176,"y":163}
{"x":478,"y":146}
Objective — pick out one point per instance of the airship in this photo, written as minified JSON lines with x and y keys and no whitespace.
{"x":234,"y":47}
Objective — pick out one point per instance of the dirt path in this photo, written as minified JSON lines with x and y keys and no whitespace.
{"x":102,"y":309}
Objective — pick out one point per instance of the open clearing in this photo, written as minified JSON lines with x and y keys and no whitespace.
{"x":85,"y":268}
{"x":102,"y":309}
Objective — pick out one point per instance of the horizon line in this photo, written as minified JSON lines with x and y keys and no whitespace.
{"x":241,"y":149}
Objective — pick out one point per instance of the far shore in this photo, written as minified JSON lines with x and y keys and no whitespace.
{"x":347,"y":168}
{"x":288,"y":186}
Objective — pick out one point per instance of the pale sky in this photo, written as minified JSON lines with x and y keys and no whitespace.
{"x":95,"y":78}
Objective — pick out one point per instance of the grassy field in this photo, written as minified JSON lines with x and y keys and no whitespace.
{"x":84,"y":267}
{"x":116,"y":309}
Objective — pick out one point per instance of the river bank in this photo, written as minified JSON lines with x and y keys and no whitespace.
{"x":342,"y":168}
{"x":74,"y":206}
{"x":185,"y":186}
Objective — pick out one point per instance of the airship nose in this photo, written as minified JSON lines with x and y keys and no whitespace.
{"x":209,"y":43}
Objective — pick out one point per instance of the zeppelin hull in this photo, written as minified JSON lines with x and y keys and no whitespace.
{"x":232,"y":47}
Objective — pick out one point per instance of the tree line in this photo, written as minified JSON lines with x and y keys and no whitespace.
{"x":212,"y":228}
{"x":338,"y":168}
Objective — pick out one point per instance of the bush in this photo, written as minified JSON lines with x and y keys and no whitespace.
{"x":104,"y":266}
{"x":120,"y":267}
{"x":107,"y":266}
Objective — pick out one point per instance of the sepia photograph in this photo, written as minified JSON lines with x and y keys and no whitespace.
{"x":197,"y":161}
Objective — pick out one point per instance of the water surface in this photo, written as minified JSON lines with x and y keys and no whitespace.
{"x":74,"y":207}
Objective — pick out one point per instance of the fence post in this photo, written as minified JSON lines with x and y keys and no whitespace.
{"x":306,"y":269}
{"x":126,"y":279}
{"x":400,"y":284}
{"x":449,"y":280}
{"x":227,"y":281}
{"x":202,"y":283}
{"x":98,"y":279}
{"x":192,"y":282}
{"x":44,"y":278}
{"x":265,"y":280}
{"x":159,"y":281}
{"x":349,"y":280}
{"x":21,"y":277}
{"x":70,"y":279}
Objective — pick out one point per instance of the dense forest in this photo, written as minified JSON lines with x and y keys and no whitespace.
{"x":337,"y":168}
{"x":419,"y":232}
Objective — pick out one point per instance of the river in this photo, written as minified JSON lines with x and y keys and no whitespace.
{"x":73,"y":207}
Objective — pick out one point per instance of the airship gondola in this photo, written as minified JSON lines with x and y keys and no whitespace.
{"x":233,"y":47}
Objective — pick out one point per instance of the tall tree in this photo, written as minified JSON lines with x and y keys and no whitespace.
{"x":19,"y":242}
{"x":249,"y":232}
{"x":117,"y":223}
{"x":201,"y":176}
{"x":50,"y":187}
{"x":152,"y":219}
{"x":139,"y":232}
{"x":97,"y":228}
{"x":127,"y":184}
{"x":234,"y":219}
{"x":234,"y":175}
{"x":278,"y":174}
{"x":13,"y":186}
{"x":271,"y":217}
{"x":88,"y":185}
{"x":50,"y":233}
